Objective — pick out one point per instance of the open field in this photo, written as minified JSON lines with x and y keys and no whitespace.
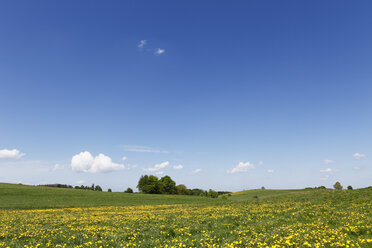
{"x":313,"y":218}
{"x":29,"y":197}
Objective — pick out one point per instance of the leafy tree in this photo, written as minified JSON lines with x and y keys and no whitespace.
{"x":142,"y":182}
{"x":262,"y":187}
{"x":181,"y":189}
{"x":198,"y":192}
{"x":97,"y":188}
{"x":212,"y":193}
{"x":109,"y":190}
{"x":149,"y":184}
{"x":167,"y":185}
{"x":349,"y":187}
{"x":337,"y":185}
{"x":128,"y":190}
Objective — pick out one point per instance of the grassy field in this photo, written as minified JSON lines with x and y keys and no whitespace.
{"x":14,"y":196}
{"x":275,"y":218}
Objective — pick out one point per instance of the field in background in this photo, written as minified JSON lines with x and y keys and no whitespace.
{"x":16,"y":196}
{"x":257,"y":218}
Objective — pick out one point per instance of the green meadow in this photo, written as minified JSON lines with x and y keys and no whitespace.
{"x":34,"y":216}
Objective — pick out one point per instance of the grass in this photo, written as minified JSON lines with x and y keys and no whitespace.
{"x":262,"y":194}
{"x":291,"y":218}
{"x":14,"y":196}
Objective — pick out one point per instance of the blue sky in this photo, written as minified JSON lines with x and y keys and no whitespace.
{"x":242,"y":94}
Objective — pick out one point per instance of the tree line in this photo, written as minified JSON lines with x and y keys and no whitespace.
{"x":66,"y":186}
{"x":149,"y":184}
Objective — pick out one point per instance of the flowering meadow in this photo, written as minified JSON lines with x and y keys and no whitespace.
{"x":315,"y":218}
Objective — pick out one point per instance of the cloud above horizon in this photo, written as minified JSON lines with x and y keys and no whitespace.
{"x":85,"y":162}
{"x":142,"y":43}
{"x":57,"y":167}
{"x":159,"y":51}
{"x":196,"y":171}
{"x":11,"y":154}
{"x":242,"y":167}
{"x":359,"y":155}
{"x":157,"y":167}
{"x":178,"y":167}
{"x":327,"y":161}
{"x":328,"y":170}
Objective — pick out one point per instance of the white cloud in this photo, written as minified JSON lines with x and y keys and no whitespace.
{"x":196,"y":171}
{"x":85,"y":162}
{"x":270,"y":171}
{"x":260,"y":163}
{"x":124,"y":158}
{"x":80,"y":182}
{"x":358,"y":168}
{"x":143,"y":149}
{"x":359,"y":155}
{"x":157,"y":167}
{"x":142,"y":43}
{"x":327,"y":161}
{"x":178,"y":167}
{"x":159,"y":173}
{"x":11,"y":154}
{"x":131,"y":165}
{"x":58,"y":167}
{"x":159,"y":51}
{"x":328,"y":170}
{"x":242,"y":167}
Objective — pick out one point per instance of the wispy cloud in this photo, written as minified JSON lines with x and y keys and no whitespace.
{"x":157,"y":167}
{"x":196,"y":171}
{"x":142,"y":43}
{"x":270,"y":171}
{"x":328,"y":161}
{"x":242,"y":167}
{"x":359,"y":155}
{"x":178,"y":167}
{"x":57,"y":167}
{"x":159,"y":51}
{"x":328,"y":170}
{"x":11,"y":154}
{"x":143,"y":149}
{"x":325,"y":177}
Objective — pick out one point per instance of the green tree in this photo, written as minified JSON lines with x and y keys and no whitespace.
{"x":337,"y":185}
{"x":148,"y":185}
{"x":98,"y":188}
{"x":142,"y":182}
{"x":181,"y":189}
{"x":212,"y":193}
{"x":167,"y":185}
{"x":349,"y":187}
{"x":109,"y":190}
{"x":128,"y":190}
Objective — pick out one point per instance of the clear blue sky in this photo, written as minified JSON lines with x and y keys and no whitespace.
{"x":282,"y":88}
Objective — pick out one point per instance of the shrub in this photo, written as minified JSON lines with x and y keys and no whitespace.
{"x":212,"y":194}
{"x":128,"y":190}
{"x":337,"y":186}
